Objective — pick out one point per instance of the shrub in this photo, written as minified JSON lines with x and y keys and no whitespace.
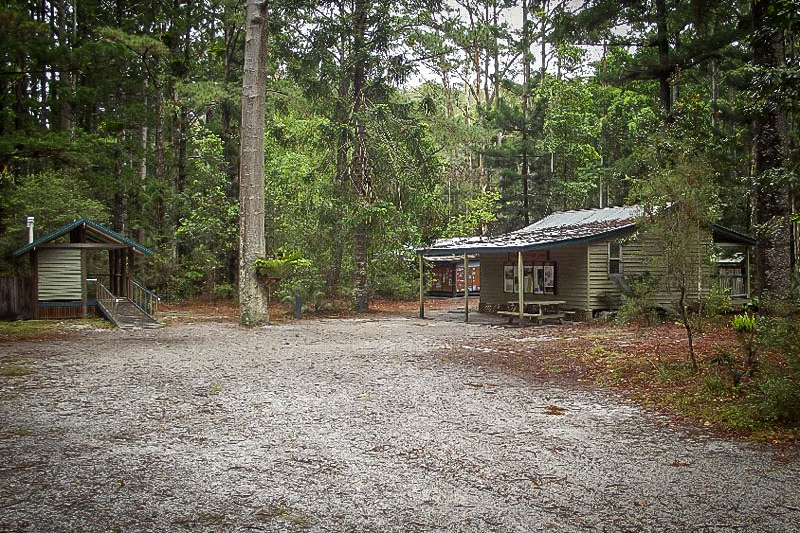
{"x":781,"y":334}
{"x":780,"y":400}
{"x":746,"y":327}
{"x":637,"y":293}
{"x":718,"y":302}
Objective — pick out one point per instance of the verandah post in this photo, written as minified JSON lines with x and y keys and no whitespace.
{"x":84,"y":287}
{"x":747,"y":270}
{"x":520,"y":286}
{"x":466,"y":288}
{"x":421,"y":289}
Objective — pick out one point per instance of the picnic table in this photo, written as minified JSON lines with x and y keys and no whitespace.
{"x":534,"y":309}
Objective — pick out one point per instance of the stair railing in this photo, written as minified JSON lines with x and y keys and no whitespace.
{"x":144,"y":299}
{"x":107,"y":301}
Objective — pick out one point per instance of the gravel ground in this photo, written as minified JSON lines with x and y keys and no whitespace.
{"x":351,"y":425}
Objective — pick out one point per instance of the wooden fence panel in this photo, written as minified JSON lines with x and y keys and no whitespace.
{"x":16,"y":298}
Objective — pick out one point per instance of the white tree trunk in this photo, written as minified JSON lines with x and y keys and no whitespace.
{"x":252,"y":300}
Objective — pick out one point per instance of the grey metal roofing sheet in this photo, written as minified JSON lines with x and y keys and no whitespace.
{"x":530,"y":238}
{"x":108,"y":233}
{"x":581,"y":217}
{"x":559,"y":229}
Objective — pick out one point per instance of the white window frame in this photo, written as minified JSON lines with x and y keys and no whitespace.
{"x":617,"y":259}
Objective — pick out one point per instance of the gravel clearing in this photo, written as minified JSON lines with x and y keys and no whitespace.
{"x":351,"y":425}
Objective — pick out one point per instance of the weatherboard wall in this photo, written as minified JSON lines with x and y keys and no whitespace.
{"x":59,"y":272}
{"x":570,"y":274}
{"x":639,"y":256}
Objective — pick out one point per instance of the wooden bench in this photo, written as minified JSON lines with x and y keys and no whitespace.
{"x":538,"y":316}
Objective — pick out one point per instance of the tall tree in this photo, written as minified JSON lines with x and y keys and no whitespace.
{"x":253,"y":303}
{"x":772,"y":207}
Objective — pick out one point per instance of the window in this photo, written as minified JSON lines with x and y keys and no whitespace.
{"x":539,"y":278}
{"x":614,"y":258}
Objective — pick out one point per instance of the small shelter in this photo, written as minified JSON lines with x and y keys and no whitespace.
{"x":59,"y":266}
{"x":580,"y":260}
{"x":448,"y":277}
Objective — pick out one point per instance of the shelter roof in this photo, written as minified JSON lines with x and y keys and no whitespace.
{"x":561,"y":229}
{"x":95,"y":232}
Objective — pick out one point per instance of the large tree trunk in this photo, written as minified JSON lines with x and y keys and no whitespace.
{"x":252,"y":300}
{"x":333,"y":274}
{"x":526,"y":77}
{"x":662,"y":41}
{"x":361,"y":178}
{"x":771,"y":195}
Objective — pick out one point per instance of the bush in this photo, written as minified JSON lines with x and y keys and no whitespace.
{"x":746,"y":327}
{"x":637,"y":307}
{"x":718,"y":302}
{"x":395,"y":276}
{"x":780,"y":400}
{"x":225,"y":291}
{"x":781,"y":334}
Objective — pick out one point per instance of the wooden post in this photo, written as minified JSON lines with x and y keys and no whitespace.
{"x":454,"y":278}
{"x":421,"y":289}
{"x":466,"y":289}
{"x":521,"y":286}
{"x":112,"y":272}
{"x":588,"y":316}
{"x":84,"y":288}
{"x":35,"y":283}
{"x":131,"y":273}
{"x":747,"y":270}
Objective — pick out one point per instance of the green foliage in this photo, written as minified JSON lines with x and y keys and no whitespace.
{"x":716,"y":303}
{"x":780,"y":400}
{"x":54,"y":199}
{"x":637,"y":294}
{"x":479,"y":212}
{"x":745,"y":323}
{"x":281,"y":265}
{"x":746,"y":327}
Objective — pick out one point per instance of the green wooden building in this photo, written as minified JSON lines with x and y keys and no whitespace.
{"x":65,"y":282}
{"x":583,"y":258}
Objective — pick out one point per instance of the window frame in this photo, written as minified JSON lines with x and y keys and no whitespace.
{"x":614,"y":260}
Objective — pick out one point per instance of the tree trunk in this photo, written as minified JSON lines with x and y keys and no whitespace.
{"x":771,"y":190}
{"x":662,"y":41}
{"x":252,"y":300}
{"x":526,"y":76}
{"x":684,"y":313}
{"x":360,"y":176}
{"x":334,"y":271}
{"x":715,"y":97}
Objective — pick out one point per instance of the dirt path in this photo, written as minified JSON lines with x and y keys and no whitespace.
{"x":349,"y":425}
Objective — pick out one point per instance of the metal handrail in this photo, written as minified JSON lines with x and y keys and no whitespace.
{"x":144,"y":299}
{"x":107,"y":302}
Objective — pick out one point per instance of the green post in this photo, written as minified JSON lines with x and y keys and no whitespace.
{"x":521,"y":286}
{"x":421,"y":289}
{"x":466,"y":287}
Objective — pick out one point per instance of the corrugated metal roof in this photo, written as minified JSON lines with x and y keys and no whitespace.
{"x":580,"y":217}
{"x":559,"y":229}
{"x":105,"y":234}
{"x":563,"y":228}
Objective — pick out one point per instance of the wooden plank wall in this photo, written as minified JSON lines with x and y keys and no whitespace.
{"x":637,"y":258}
{"x":59,"y":274}
{"x":16,"y":298}
{"x":570,"y":278}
